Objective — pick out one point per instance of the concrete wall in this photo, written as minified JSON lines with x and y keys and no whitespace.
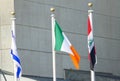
{"x":6,"y":6}
{"x":33,"y":32}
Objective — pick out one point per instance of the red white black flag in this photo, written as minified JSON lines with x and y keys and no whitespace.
{"x":91,"y":44}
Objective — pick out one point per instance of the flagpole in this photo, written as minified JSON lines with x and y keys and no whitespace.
{"x":13,"y":28}
{"x":92,"y":72}
{"x":92,"y":75}
{"x":53,"y":43}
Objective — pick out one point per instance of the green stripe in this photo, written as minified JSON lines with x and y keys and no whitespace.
{"x":58,"y":37}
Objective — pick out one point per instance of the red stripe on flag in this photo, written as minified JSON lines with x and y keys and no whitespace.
{"x":89,"y":26}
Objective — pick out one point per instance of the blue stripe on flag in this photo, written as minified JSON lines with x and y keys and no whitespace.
{"x":19,"y":69}
{"x":15,"y":57}
{"x":18,"y":72}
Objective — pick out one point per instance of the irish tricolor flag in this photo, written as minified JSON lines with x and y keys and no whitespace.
{"x":63,"y":44}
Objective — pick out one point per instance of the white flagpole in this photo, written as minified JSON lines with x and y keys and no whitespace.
{"x":92,"y":75}
{"x":53,"y":43}
{"x":90,"y":11}
{"x":13,"y":28}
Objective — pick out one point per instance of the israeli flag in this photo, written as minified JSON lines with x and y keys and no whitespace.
{"x":14,"y":53}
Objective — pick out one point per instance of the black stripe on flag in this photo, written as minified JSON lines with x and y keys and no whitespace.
{"x":92,"y":58}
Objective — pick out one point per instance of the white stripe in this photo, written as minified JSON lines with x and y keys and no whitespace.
{"x":90,"y":37}
{"x":66,"y":45}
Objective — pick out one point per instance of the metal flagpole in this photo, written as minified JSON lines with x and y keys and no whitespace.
{"x":92,"y":75}
{"x":53,"y":43}
{"x":13,"y":28}
{"x":1,"y":72}
{"x":92,"y":72}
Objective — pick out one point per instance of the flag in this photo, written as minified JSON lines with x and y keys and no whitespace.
{"x":63,"y":44}
{"x":91,"y":44}
{"x":14,"y":54}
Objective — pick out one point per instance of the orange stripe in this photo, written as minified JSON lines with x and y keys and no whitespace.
{"x":75,"y":58}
